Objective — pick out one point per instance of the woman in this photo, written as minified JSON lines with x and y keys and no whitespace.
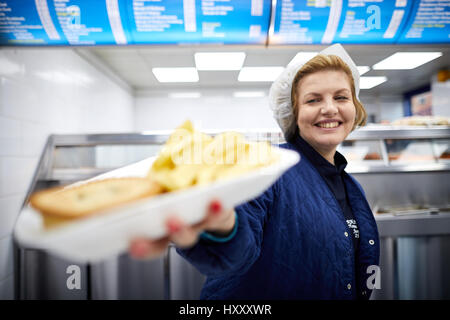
{"x":311,"y":235}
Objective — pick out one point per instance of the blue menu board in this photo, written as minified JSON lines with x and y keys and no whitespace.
{"x":136,"y":22}
{"x":301,"y":22}
{"x":81,"y":22}
{"x":361,"y":22}
{"x":25,"y":22}
{"x":122,"y":22}
{"x":60,"y":22}
{"x":429,"y":23}
{"x":374,"y":22}
{"x":198,"y":21}
{"x":341,"y":21}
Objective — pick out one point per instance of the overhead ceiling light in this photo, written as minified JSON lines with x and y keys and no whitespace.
{"x":67,"y":77}
{"x":370,"y":82}
{"x":267,"y":74}
{"x":362,"y":69}
{"x":219,"y":60}
{"x":249,"y":94}
{"x":184,"y":95}
{"x":406,"y":60}
{"x":302,"y":57}
{"x":176,"y":74}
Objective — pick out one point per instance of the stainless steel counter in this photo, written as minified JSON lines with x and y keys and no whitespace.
{"x":413,"y":225}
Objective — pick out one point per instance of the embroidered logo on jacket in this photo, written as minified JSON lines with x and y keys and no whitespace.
{"x":351,"y":223}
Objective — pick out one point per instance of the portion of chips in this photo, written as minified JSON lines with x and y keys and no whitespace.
{"x":192,"y":158}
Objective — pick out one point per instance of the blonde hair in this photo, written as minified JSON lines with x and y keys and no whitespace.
{"x":323,"y":63}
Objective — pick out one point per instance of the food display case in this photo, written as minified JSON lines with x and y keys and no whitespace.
{"x":405,"y":172}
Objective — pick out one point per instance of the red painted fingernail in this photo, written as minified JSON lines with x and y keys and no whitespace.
{"x":216,"y":206}
{"x":173,"y":226}
{"x":139,"y":249}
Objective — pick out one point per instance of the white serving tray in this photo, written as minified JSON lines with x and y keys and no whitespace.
{"x":103,"y":236}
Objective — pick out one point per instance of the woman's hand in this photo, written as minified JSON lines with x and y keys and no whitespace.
{"x":217,"y":220}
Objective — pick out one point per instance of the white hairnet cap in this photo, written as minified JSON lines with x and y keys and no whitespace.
{"x":280,"y":92}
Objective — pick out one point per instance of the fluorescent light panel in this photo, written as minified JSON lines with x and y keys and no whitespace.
{"x":68,"y":77}
{"x":249,"y":94}
{"x":302,"y":57}
{"x":176,"y":74}
{"x":259,"y":74}
{"x":184,"y":95}
{"x":406,"y":60}
{"x":219,"y":60}
{"x":370,"y":82}
{"x":362,"y":69}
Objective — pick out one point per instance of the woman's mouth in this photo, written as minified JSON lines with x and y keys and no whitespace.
{"x":328,"y":125}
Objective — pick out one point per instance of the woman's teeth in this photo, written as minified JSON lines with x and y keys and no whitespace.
{"x":328,"y":124}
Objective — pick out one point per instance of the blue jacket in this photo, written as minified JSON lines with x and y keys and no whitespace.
{"x":292,"y":242}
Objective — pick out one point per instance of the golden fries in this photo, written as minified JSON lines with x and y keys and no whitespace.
{"x":192,"y":158}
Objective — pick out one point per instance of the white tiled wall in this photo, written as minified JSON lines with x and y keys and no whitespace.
{"x":215,"y":110}
{"x":218,"y":109}
{"x":45,"y":91}
{"x":384,"y":108}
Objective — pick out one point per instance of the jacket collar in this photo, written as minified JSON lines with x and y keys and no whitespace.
{"x":324,"y":167}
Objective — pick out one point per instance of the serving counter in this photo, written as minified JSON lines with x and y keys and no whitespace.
{"x":405,"y":172}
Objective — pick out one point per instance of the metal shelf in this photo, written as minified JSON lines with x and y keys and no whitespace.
{"x":413,"y":225}
{"x":399,"y":132}
{"x":397,"y":168}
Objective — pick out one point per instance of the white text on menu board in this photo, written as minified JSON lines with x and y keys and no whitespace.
{"x":210,"y":8}
{"x":218,"y":8}
{"x":431,"y":14}
{"x":290,"y":25}
{"x":71,"y":20}
{"x":353,"y":26}
{"x":221,"y":8}
{"x":16,"y":25}
{"x":151,"y":18}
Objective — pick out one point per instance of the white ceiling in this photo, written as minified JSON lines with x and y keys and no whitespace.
{"x":134,"y":65}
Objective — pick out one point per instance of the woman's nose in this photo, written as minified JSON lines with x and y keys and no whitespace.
{"x":329,"y":107}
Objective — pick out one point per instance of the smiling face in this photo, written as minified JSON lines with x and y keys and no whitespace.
{"x":326,"y":112}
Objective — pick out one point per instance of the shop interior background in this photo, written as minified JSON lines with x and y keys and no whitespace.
{"x":78,"y":89}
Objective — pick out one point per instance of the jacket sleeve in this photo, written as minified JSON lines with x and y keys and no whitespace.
{"x":239,"y":253}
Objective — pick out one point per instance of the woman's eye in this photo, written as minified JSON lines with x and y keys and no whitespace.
{"x":341,"y":98}
{"x":312,"y":100}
